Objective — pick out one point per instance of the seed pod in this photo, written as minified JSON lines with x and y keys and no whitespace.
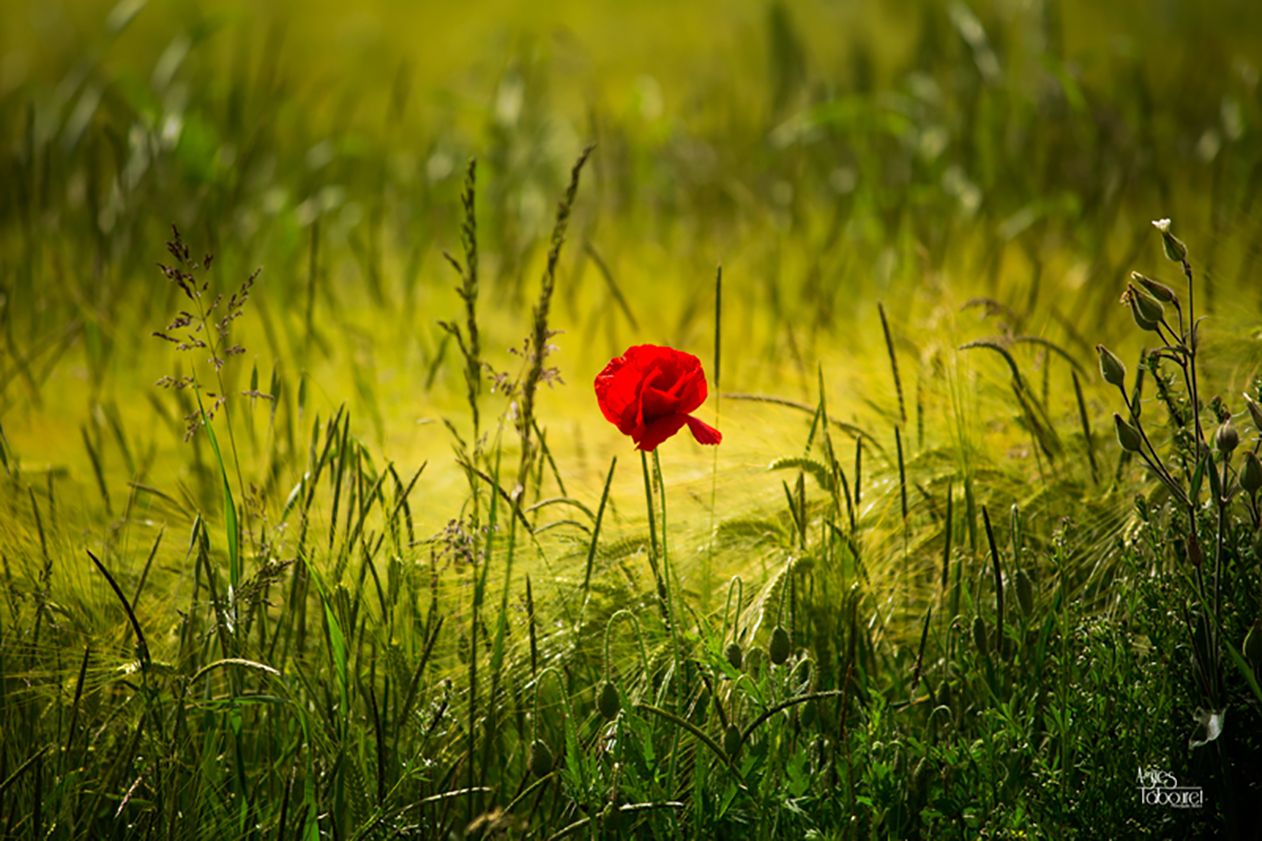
{"x":1025,"y":593}
{"x":780,"y":647}
{"x":540,"y":758}
{"x":731,"y":740}
{"x":1251,"y":474}
{"x":1111,"y":367}
{"x":1127,"y":436}
{"x":735,"y":655}
{"x":1159,"y":291}
{"x":608,"y":701}
{"x":1227,"y":438}
{"x":979,"y":635}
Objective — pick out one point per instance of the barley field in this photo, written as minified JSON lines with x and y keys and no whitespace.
{"x":756,"y":419}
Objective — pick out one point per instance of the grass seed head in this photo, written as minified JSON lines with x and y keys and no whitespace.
{"x":734,"y":654}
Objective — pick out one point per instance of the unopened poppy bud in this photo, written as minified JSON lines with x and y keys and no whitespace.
{"x":735,"y":655}
{"x":979,"y":635}
{"x":615,"y":819}
{"x":802,"y":673}
{"x":1127,"y":436}
{"x":1255,"y":412}
{"x":1253,"y":645}
{"x":540,"y":758}
{"x":780,"y":647}
{"x":1025,"y":592}
{"x":1175,"y":250}
{"x":731,"y":740}
{"x":1227,"y":438}
{"x":608,"y":701}
{"x":1194,"y":549}
{"x":1251,"y":474}
{"x":1159,"y":291}
{"x":1111,"y":367}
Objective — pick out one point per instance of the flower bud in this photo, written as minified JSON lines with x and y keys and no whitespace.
{"x":1251,"y":474}
{"x":734,"y":654}
{"x":1175,"y":250}
{"x":614,"y":818}
{"x":1025,"y":593}
{"x":1149,"y":307}
{"x":1227,"y":438}
{"x":1255,"y":412}
{"x":780,"y":647}
{"x":1127,"y":436}
{"x":540,"y":758}
{"x":979,"y":635}
{"x":731,"y":740}
{"x":1129,"y":297}
{"x":1194,"y":549}
{"x":608,"y":701}
{"x":1252,"y":647}
{"x":1160,"y":291}
{"x":1111,"y":367}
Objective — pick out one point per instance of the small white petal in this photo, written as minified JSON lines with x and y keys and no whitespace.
{"x":1162,"y":225}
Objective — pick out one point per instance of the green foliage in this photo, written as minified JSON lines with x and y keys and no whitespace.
{"x":950,"y":611}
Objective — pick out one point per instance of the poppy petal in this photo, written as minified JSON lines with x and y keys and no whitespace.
{"x":656,"y":403}
{"x":651,"y":434}
{"x":702,"y":431}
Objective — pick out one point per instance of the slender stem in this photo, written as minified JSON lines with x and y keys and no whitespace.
{"x":1154,"y":460}
{"x":662,"y":593}
{"x":1222,"y":527}
{"x":217,"y":363}
{"x":677,"y":645}
{"x":1191,"y":344}
{"x":661,"y":495}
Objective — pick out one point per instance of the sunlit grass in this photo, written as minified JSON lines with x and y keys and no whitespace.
{"x":924,"y":217}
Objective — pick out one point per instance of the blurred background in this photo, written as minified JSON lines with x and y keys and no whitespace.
{"x":982,"y":170}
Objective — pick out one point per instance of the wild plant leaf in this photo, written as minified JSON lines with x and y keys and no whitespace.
{"x":816,"y":468}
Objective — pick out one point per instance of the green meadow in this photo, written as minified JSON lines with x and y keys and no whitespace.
{"x":311,"y":525}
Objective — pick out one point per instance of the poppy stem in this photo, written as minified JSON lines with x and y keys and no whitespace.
{"x":670,"y":607}
{"x":666,"y":569}
{"x":662,"y":593}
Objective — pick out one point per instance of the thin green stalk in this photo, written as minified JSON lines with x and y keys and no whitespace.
{"x":662,"y":593}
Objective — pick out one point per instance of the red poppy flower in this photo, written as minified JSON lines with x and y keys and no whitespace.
{"x":648,"y":393}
